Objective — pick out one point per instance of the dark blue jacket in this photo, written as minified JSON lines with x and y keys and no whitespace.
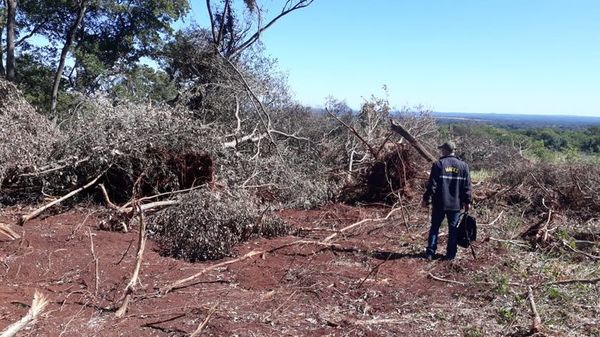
{"x":449,"y":185}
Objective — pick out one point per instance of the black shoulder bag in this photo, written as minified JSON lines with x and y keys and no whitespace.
{"x":467,"y":231}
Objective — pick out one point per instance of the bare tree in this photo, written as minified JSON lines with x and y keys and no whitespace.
{"x":231,"y":39}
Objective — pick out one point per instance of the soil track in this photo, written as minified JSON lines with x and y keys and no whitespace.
{"x":374,"y":283}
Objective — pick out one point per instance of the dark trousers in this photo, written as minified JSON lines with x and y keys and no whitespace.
{"x":437,"y":216}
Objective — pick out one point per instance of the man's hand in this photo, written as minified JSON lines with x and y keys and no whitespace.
{"x":424,"y":204}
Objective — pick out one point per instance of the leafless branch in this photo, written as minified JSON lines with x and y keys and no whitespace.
{"x":289,"y":7}
{"x":40,"y":210}
{"x":130,"y":288}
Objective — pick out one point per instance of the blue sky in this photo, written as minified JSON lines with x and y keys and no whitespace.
{"x":497,"y":56}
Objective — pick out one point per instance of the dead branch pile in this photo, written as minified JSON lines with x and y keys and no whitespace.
{"x":205,"y":225}
{"x":26,"y":137}
{"x":377,"y":166}
{"x":392,"y":176}
{"x":483,"y":152}
{"x":166,"y":149}
{"x":300,"y":180}
{"x":573,"y":189}
{"x":560,"y":201}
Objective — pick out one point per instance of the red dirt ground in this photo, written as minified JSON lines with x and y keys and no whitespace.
{"x":296,"y":291}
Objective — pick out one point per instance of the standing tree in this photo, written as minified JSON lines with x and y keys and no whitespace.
{"x":2,"y":22}
{"x":11,"y":18}
{"x":232,"y":34}
{"x":82,"y":7}
{"x":97,"y":39}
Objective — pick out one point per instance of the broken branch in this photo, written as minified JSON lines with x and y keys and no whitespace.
{"x":536,"y":326}
{"x":37,"y":306}
{"x":130,"y":288}
{"x":40,"y":210}
{"x":180,"y":283}
{"x":204,"y":323}
{"x":356,"y":224}
{"x":353,"y":130}
{"x":415,"y":143}
{"x":6,"y":230}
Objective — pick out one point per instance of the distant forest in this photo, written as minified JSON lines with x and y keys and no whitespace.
{"x":542,"y":142}
{"x":519,"y":121}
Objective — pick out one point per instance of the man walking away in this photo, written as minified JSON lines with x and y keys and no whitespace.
{"x":448,"y":190}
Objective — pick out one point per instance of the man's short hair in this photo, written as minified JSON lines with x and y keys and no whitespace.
{"x":448,"y":146}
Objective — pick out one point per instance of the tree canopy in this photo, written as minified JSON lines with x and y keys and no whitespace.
{"x":84,"y":44}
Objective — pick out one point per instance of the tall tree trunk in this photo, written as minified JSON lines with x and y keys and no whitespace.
{"x":11,"y":14}
{"x":63,"y":55}
{"x":2,"y":71}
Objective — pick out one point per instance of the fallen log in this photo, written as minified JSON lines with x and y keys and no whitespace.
{"x":151,"y":205}
{"x":127,"y":208}
{"x":396,"y":127}
{"x":40,"y":210}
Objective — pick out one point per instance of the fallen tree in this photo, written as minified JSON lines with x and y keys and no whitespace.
{"x":205,"y":224}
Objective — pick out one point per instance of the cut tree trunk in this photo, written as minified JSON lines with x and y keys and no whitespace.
{"x":414,"y":142}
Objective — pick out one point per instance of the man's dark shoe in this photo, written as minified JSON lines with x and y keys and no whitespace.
{"x":428,"y":257}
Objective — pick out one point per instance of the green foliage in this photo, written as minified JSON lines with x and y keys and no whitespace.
{"x":34,"y":79}
{"x":502,"y":287}
{"x":554,"y":294}
{"x":586,"y":140}
{"x":116,"y":35}
{"x":543,"y":144}
{"x":113,"y":38}
{"x":143,"y":84}
{"x":506,"y":315}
